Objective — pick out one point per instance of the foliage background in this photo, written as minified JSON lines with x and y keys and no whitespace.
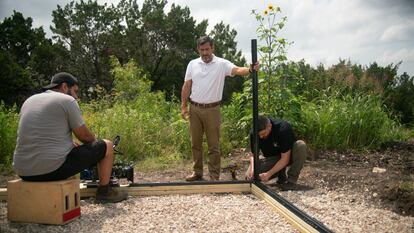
{"x":131,"y":75}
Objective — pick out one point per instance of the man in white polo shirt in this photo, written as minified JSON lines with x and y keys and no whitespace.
{"x":204,"y":79}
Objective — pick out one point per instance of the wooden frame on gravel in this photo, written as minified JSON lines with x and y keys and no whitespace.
{"x":298,"y":219}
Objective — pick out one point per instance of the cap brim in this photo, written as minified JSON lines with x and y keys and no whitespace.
{"x":52,"y":85}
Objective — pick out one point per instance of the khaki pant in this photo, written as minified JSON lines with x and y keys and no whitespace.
{"x":205,"y":120}
{"x":297,"y":159}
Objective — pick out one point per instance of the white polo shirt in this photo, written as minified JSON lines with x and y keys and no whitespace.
{"x":208,"y":79}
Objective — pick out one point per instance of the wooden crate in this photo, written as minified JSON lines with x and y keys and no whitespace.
{"x":56,"y":202}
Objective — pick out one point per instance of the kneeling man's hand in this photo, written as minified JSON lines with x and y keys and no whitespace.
{"x":264,"y":176}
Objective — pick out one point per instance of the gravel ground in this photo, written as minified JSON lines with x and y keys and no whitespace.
{"x":345,"y":212}
{"x":338,"y":210}
{"x":343,"y":192}
{"x":173,"y":213}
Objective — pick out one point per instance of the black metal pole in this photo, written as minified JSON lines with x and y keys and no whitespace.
{"x":255,"y":85}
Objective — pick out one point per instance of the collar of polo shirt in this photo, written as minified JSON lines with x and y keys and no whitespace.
{"x":212,"y":60}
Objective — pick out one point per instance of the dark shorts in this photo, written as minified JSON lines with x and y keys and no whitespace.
{"x":78,"y":159}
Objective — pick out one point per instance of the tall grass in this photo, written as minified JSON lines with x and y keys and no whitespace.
{"x":348,"y":122}
{"x":144,"y":128}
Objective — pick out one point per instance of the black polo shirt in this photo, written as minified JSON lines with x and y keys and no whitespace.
{"x":280,"y":139}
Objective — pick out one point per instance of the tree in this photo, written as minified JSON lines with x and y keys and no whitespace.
{"x":87,"y":29}
{"x":16,"y":84}
{"x":20,"y":45}
{"x":401,"y":98}
{"x":381,"y":78}
{"x":161,"y":43}
{"x":46,"y":60}
{"x":18,"y":38}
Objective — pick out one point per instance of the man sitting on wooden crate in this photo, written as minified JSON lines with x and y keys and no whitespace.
{"x":45,"y":150}
{"x":280,"y":149}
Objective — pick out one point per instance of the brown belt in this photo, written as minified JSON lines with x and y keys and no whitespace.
{"x":209,"y":105}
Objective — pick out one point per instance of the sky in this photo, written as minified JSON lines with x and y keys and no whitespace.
{"x":322,"y":31}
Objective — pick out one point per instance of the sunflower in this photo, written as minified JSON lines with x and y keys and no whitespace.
{"x":265,"y":12}
{"x":270,"y":7}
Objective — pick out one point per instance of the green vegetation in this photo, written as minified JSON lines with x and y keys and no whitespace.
{"x":8,"y":134}
{"x":130,"y":83}
{"x":149,"y":125}
{"x":342,"y":122}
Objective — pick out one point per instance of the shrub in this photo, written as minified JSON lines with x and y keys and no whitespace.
{"x":8,"y":134}
{"x":149,"y":125}
{"x":348,"y":122}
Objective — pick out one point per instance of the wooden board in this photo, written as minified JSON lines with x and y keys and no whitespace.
{"x":3,"y":194}
{"x":296,"y":222}
{"x":170,"y":189}
{"x":164,"y":190}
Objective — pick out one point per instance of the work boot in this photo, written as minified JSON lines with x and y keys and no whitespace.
{"x":281,"y":177}
{"x":288,"y":186}
{"x":214,"y":178}
{"x":193,"y":177}
{"x":281,"y":181}
{"x":106,"y":194}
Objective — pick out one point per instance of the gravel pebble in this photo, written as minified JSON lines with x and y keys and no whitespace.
{"x":172,"y":213}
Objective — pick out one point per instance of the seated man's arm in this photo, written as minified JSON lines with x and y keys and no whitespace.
{"x":84,"y":134}
{"x":283,"y":162}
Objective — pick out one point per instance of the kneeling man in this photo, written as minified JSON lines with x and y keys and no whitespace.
{"x":280,"y":150}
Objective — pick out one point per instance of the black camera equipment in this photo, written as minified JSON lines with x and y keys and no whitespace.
{"x":120,"y":170}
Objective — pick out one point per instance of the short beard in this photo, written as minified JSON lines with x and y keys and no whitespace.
{"x":69,"y":93}
{"x":207,"y":59}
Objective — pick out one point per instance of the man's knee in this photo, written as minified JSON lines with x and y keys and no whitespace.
{"x":300,"y":144}
{"x":300,"y":149}
{"x":109,"y":147}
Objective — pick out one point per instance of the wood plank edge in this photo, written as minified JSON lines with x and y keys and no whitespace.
{"x":164,"y":190}
{"x":294,"y":220}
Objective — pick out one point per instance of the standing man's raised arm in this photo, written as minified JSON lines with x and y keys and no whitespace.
{"x":185,"y":93}
{"x":244,"y":70}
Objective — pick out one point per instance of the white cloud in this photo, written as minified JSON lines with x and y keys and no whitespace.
{"x":406,"y":55}
{"x":398,"y":32}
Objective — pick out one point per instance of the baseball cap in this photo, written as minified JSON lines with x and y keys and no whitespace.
{"x":62,"y":77}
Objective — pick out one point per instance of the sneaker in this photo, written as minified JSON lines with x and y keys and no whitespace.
{"x":106,"y":194}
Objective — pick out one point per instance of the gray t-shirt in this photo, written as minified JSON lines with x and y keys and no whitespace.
{"x":44,"y":136}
